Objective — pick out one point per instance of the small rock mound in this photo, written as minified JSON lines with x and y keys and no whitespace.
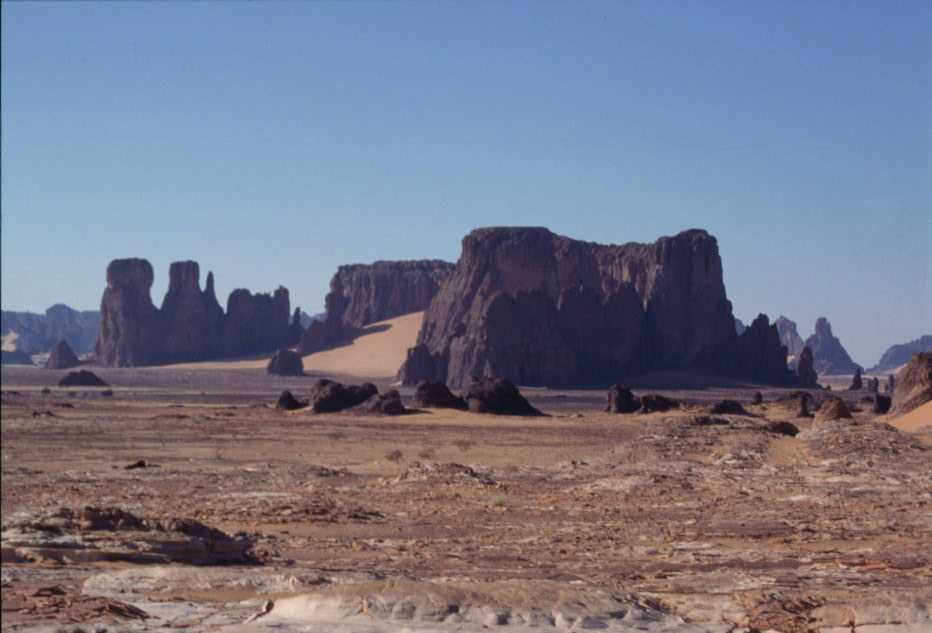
{"x":62,"y":357}
{"x":329,"y":396}
{"x":878,"y":402}
{"x":621,"y":400}
{"x":913,"y":387}
{"x":449,"y":474}
{"x":388,"y":403}
{"x":81,"y":378}
{"x":655,"y":402}
{"x":783,"y":428}
{"x":284,"y":362}
{"x":498,"y":396}
{"x":833,"y":408}
{"x":728,"y":407}
{"x":287,"y":402}
{"x":437,"y":395}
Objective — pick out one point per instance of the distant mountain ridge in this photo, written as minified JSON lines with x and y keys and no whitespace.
{"x":37,"y":333}
{"x":898,"y":355}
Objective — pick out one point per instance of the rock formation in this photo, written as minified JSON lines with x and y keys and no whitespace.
{"x":81,"y":378}
{"x":830,"y":357}
{"x":806,"y":375}
{"x":543,"y":309}
{"x":890,"y":386}
{"x":287,"y":402}
{"x":856,"y":382}
{"x":37,"y":333}
{"x":833,"y":408}
{"x":388,"y":403}
{"x":732,"y":407}
{"x":191,"y":325}
{"x":898,"y":355}
{"x":498,"y":396}
{"x":284,"y":362}
{"x":873,"y":385}
{"x":62,"y":357}
{"x":436,"y":395}
{"x":789,"y":336}
{"x":655,"y":402}
{"x":913,"y":384}
{"x":330,"y":397}
{"x":361,"y":294}
{"x":621,"y":400}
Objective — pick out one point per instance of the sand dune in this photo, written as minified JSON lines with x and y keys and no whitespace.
{"x":915,"y":419}
{"x":378,"y":353}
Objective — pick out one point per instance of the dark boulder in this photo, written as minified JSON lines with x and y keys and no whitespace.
{"x":806,"y":375}
{"x":728,"y":406}
{"x":388,"y":403}
{"x":287,"y":402}
{"x":621,"y":400}
{"x":81,"y":378}
{"x":856,"y":382}
{"x":655,"y":402}
{"x":436,"y":395}
{"x":783,"y":428}
{"x":758,"y":398}
{"x":284,"y":362}
{"x":331,"y":396}
{"x":802,"y":406}
{"x":833,"y":408}
{"x":498,"y":396}
{"x":62,"y":357}
{"x":878,"y":402}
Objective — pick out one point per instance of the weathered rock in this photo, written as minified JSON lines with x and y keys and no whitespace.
{"x":758,"y":398}
{"x":783,"y":428}
{"x":833,"y":408}
{"x":789,"y":336}
{"x":879,"y":403}
{"x":621,"y":400}
{"x":873,"y":385}
{"x":361,"y":294}
{"x":757,"y":354}
{"x":890,"y":387}
{"x":547,"y":310}
{"x":898,"y":355}
{"x":284,"y":362}
{"x":802,"y":406}
{"x":330,"y":396}
{"x":498,"y":396}
{"x":62,"y":357}
{"x":437,"y":395}
{"x":655,"y":402}
{"x":856,"y":382}
{"x":913,"y":384}
{"x":829,"y":355}
{"x":388,"y":403}
{"x":287,"y":402}
{"x":191,"y":325}
{"x":728,"y":407}
{"x":806,"y":375}
{"x":81,"y":378}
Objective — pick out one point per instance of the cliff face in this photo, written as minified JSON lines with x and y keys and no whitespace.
{"x":361,"y":294}
{"x":829,"y":354}
{"x":543,"y":309}
{"x":190,"y":325}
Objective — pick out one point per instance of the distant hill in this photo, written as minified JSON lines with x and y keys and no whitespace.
{"x":899,"y":355}
{"x":307,"y":319}
{"x":32,"y":333}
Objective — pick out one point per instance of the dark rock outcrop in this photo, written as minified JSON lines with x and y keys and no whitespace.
{"x":547,"y":310}
{"x":806,"y":375}
{"x":37,"y":333}
{"x":833,"y":408}
{"x":388,"y":403}
{"x":890,"y":387}
{"x":498,"y":396}
{"x":802,"y":406}
{"x":758,"y":398}
{"x":81,"y":378}
{"x":436,"y":395}
{"x":621,"y":400}
{"x":913,"y":384}
{"x":284,"y":362}
{"x":873,"y":385}
{"x":191,"y":325}
{"x":732,"y":407}
{"x":362,"y":294}
{"x":782,"y":427}
{"x":287,"y":402}
{"x":898,"y":355}
{"x":62,"y":357}
{"x":829,"y":355}
{"x":789,"y":336}
{"x":879,"y":403}
{"x":856,"y":382}
{"x":330,"y":397}
{"x":655,"y":402}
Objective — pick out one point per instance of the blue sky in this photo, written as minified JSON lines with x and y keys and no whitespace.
{"x":274,"y":141}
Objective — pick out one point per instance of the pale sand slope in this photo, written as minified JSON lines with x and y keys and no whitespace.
{"x":915,"y":419}
{"x":9,"y":341}
{"x":378,"y":353}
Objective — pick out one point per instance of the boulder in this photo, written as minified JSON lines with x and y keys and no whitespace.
{"x":806,"y":375}
{"x":829,"y":355}
{"x":758,"y":398}
{"x":655,"y":402}
{"x":879,"y":403}
{"x":833,"y":408}
{"x":81,"y":378}
{"x":498,"y":396}
{"x":913,"y":384}
{"x":284,"y":362}
{"x":856,"y":382}
{"x":62,"y":357}
{"x":388,"y":403}
{"x":331,"y":397}
{"x":728,"y":407}
{"x":436,"y":395}
{"x":548,"y":310}
{"x":621,"y":400}
{"x":287,"y":402}
{"x":783,"y":428}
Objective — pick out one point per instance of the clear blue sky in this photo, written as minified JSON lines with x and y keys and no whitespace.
{"x":273,"y":141}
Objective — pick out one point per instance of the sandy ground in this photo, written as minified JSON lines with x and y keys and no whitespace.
{"x":377,"y":353}
{"x":916,"y":420}
{"x":443,"y":520}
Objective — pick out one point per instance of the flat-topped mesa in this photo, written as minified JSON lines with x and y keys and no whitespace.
{"x":362,"y":294}
{"x":544,"y":309}
{"x":191,"y":325}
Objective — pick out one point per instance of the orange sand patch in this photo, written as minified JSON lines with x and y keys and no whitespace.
{"x":915,"y":419}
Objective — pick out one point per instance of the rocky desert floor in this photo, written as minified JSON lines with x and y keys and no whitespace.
{"x":185,"y":501}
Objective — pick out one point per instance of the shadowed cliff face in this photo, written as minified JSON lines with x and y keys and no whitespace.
{"x":362,"y":294}
{"x":543,"y":309}
{"x":190,"y":325}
